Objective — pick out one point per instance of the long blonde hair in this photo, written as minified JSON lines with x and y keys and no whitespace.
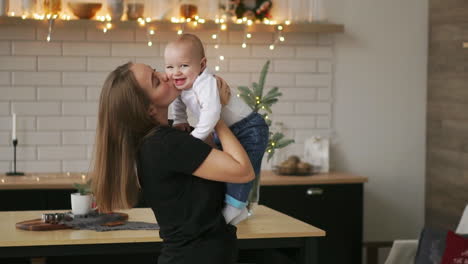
{"x":123,"y":121}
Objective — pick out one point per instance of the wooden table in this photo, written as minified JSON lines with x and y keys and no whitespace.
{"x":267,"y":229}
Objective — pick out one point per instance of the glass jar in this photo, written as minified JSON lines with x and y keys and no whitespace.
{"x":189,"y":9}
{"x":52,"y":7}
{"x":135,"y":9}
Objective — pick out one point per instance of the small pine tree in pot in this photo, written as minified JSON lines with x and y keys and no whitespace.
{"x":261,"y":103}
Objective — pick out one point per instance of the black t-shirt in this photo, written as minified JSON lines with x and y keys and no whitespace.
{"x":187,"y":208}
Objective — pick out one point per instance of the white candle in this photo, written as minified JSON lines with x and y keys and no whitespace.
{"x":13,"y":127}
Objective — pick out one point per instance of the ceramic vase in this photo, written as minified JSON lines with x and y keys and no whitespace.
{"x":4,"y":7}
{"x":115,"y":8}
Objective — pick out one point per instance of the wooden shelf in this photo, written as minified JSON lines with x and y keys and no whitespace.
{"x":168,"y":26}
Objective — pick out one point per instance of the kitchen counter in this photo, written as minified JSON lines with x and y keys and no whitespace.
{"x":66,"y":180}
{"x":270,"y":178}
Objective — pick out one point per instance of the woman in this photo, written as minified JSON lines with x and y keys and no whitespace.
{"x":181,"y":177}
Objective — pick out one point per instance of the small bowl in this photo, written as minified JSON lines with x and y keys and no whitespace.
{"x":84,"y":10}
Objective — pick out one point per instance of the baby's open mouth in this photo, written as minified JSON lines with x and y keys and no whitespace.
{"x":179,"y":82}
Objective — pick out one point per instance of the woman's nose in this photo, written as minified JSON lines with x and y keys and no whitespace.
{"x":161,"y":76}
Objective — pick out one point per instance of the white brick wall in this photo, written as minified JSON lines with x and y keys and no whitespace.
{"x":54,"y":87}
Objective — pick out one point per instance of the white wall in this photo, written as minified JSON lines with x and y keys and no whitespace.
{"x":376,"y":108}
{"x":380,"y":109}
{"x":54,"y":87}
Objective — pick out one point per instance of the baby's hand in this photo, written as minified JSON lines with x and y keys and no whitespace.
{"x":183,"y":127}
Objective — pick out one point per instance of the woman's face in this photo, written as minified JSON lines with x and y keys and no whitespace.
{"x":157,"y":86}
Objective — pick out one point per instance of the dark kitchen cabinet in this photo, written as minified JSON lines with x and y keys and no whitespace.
{"x":335,"y":208}
{"x":43,"y":199}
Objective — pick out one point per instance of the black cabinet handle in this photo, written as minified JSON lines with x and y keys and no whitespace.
{"x":314,"y":191}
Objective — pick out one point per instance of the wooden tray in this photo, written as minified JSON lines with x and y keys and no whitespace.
{"x":38,"y":225}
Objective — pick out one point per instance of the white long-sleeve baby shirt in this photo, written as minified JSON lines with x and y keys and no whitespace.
{"x":204,"y":103}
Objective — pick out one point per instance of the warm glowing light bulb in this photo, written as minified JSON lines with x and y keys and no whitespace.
{"x":244,"y":19}
{"x":216,"y":46}
{"x":104,"y":30}
{"x":248,"y":35}
{"x":239,"y":21}
{"x":223,"y":27}
{"x":180,"y":32}
{"x":214,"y":36}
{"x":150,"y":43}
{"x":280,"y":27}
{"x":148,"y":19}
{"x":108,"y":25}
{"x":281,"y":38}
{"x":249,"y":22}
{"x":272,"y":47}
{"x":197,"y":17}
{"x":244,"y":45}
{"x":287,"y":22}
{"x":221,"y":57}
{"x":48,"y":38}
{"x":151,"y":32}
{"x":216,"y":68}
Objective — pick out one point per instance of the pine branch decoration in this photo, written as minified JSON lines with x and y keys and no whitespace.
{"x":255,"y":99}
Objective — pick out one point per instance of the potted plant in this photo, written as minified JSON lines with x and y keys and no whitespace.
{"x":262,"y":103}
{"x":81,"y":201}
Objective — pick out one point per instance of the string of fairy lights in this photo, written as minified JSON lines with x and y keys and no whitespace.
{"x":221,"y":21}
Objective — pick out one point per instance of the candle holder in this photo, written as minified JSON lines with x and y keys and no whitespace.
{"x":14,"y":172}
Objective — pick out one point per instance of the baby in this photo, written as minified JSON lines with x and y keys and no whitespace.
{"x":185,"y":65}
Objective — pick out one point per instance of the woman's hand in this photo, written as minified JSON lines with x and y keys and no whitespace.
{"x":224,"y":90}
{"x":229,"y":165}
{"x":183,"y":127}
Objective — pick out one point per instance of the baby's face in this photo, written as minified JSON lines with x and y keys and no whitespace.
{"x":182,"y":65}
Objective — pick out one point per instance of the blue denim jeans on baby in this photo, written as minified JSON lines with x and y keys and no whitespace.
{"x":252,"y":133}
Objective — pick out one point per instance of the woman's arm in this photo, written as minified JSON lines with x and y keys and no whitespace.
{"x":230,"y":165}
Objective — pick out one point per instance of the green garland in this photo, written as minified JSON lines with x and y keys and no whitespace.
{"x":258,"y":102}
